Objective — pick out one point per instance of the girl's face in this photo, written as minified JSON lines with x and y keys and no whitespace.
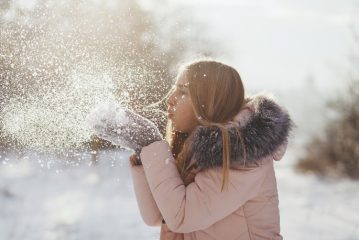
{"x":180,"y":109}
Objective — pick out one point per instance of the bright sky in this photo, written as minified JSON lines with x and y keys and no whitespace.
{"x":279,"y":43}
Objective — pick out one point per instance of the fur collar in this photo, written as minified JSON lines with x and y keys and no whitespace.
{"x":263,"y":125}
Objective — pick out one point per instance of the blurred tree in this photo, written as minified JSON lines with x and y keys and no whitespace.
{"x":337,"y":153}
{"x":4,"y":4}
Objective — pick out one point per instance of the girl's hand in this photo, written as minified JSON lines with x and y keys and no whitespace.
{"x":124,"y":127}
{"x":137,"y":132}
{"x":135,"y":160}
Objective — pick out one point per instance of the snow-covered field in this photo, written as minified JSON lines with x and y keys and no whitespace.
{"x":316,"y":208}
{"x":74,"y":202}
{"x":87,"y":201}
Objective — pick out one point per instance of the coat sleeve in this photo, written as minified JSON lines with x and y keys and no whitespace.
{"x":147,"y":205}
{"x":201,"y":203}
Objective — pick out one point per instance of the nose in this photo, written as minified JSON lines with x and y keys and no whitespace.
{"x":171,"y":100}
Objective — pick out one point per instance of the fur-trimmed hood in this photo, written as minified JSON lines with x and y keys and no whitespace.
{"x":263,"y":125}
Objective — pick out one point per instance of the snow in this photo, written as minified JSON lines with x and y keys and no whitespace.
{"x":312,"y":207}
{"x":33,"y":121}
{"x":107,"y":115}
{"x":77,"y":202}
{"x":85,"y":200}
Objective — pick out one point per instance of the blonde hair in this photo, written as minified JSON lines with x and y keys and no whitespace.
{"x":217,"y":94}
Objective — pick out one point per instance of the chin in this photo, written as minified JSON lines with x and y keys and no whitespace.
{"x":181,"y":130}
{"x":177,"y":129}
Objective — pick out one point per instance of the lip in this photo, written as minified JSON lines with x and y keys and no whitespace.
{"x":169,"y":113}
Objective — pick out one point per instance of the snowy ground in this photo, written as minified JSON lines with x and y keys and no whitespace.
{"x":74,"y":202}
{"x":97,"y":201}
{"x":315,"y":208}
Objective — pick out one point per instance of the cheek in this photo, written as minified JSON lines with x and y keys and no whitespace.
{"x":184,"y":119}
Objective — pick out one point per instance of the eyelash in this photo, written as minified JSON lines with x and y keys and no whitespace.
{"x":179,"y":90}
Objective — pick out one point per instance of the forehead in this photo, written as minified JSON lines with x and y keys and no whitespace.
{"x":181,"y":80}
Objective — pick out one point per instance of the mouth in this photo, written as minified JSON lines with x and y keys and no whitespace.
{"x":169,"y":113}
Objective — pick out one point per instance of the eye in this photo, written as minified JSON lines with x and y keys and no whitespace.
{"x":179,"y":90}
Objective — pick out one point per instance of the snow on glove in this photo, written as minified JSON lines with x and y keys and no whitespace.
{"x":123,"y":127}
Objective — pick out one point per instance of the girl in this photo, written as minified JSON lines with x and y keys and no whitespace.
{"x":213,"y":177}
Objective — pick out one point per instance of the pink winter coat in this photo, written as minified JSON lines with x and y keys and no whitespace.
{"x":247,"y":209}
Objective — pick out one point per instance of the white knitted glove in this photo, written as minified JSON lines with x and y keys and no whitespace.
{"x":123,"y":127}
